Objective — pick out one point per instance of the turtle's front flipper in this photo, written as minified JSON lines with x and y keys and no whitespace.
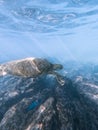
{"x":59,"y":77}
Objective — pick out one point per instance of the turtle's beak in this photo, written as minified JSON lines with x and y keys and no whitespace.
{"x":57,"y":66}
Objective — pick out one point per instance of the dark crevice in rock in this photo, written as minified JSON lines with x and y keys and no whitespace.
{"x":56,"y":125}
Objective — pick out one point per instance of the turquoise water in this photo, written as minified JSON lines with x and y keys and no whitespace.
{"x":62,"y":29}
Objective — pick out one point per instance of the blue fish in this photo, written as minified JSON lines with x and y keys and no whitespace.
{"x":34,"y":105}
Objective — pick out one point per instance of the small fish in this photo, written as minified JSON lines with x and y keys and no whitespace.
{"x":34,"y":105}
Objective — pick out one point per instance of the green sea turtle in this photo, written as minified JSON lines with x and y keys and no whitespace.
{"x":32,"y":67}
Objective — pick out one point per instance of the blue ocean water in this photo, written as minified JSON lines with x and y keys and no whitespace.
{"x":63,"y":29}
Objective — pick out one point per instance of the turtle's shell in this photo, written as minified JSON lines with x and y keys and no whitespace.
{"x":29,"y":67}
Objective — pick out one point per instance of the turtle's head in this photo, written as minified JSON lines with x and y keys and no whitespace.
{"x":57,"y":66}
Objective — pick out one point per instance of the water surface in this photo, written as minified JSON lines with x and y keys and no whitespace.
{"x":63,"y":29}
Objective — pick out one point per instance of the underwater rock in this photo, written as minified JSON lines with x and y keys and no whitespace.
{"x":42,"y":104}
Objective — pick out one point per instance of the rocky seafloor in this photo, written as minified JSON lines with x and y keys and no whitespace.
{"x":42,"y":104}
